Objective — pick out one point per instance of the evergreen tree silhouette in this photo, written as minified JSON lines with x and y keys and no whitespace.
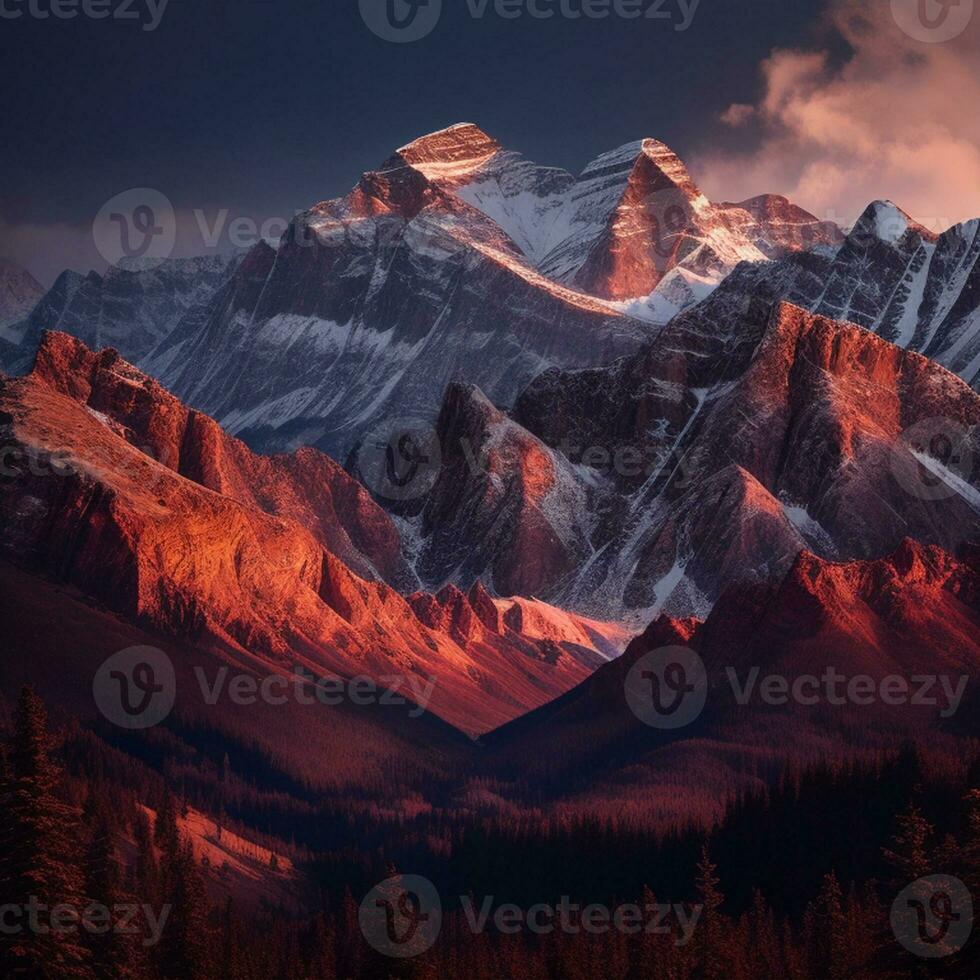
{"x":40,"y":866}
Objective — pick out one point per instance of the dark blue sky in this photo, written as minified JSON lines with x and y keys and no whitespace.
{"x":265,"y":106}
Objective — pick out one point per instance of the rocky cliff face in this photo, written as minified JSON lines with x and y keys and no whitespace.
{"x":912,"y":616}
{"x":455,"y":260}
{"x":131,"y":308}
{"x":373,"y":304}
{"x":826,"y":437}
{"x":112,"y":487}
{"x":891,"y":276}
{"x":458,"y":260}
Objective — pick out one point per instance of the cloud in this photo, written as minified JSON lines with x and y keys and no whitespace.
{"x":895,"y":118}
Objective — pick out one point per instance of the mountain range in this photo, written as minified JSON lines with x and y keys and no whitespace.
{"x":112,"y":487}
{"x":638,"y":419}
{"x":131,"y":521}
{"x":455,"y":260}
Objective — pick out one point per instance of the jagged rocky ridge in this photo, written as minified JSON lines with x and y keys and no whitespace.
{"x":914,"y":613}
{"x":918,"y":289}
{"x":134,"y":308}
{"x":705,"y":459}
{"x":456,"y":260}
{"x":114,"y":490}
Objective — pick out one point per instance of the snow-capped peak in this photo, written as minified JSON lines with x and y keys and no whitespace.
{"x":889,"y":223}
{"x":454,"y":152}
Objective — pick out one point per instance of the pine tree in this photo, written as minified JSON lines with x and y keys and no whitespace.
{"x":644,"y":947}
{"x":971,"y":847}
{"x":909,"y":851}
{"x":166,"y":834}
{"x":115,"y":955}
{"x":830,"y":955}
{"x":323,"y":961}
{"x":40,"y":867}
{"x":766,"y":960}
{"x":710,"y":941}
{"x":146,"y":871}
{"x":185,"y":949}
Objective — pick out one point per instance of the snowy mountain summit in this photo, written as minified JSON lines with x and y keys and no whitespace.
{"x":458,"y":260}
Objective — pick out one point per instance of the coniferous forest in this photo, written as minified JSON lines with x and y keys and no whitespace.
{"x":793,"y":882}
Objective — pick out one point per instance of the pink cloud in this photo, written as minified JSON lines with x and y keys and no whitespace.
{"x":896,"y":120}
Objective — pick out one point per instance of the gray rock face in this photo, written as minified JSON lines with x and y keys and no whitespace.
{"x":373,"y":304}
{"x":456,"y":260}
{"x":19,"y":292}
{"x":893,"y":277}
{"x":131,"y":308}
{"x":742,"y":450}
{"x":744,"y":434}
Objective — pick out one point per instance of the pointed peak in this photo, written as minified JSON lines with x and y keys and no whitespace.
{"x":485,"y":608}
{"x":450,"y":595}
{"x":888,"y":223}
{"x":452,"y":152}
{"x":627,"y":156}
{"x":459,"y":134}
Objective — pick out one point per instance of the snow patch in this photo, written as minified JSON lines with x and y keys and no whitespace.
{"x":953,"y":480}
